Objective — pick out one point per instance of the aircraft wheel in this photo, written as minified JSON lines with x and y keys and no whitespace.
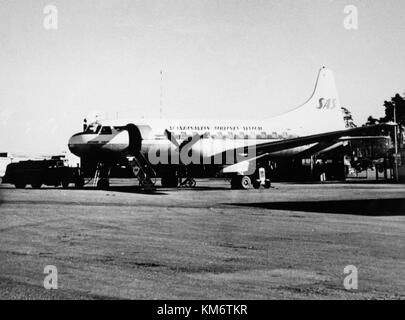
{"x":246,"y":182}
{"x":267,"y":184}
{"x":191,"y":183}
{"x":256,"y":184}
{"x":241,"y":182}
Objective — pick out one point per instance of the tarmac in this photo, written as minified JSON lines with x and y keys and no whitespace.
{"x":292,"y":241}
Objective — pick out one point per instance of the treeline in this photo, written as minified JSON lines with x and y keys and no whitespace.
{"x":396,"y":103}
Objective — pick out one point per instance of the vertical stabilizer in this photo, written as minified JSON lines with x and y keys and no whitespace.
{"x":321,"y":112}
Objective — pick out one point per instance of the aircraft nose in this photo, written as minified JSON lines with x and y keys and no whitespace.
{"x":75,"y":143}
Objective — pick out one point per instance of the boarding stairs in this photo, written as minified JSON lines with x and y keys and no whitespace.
{"x":143,"y":170}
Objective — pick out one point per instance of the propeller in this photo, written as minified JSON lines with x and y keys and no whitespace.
{"x":171,"y":138}
{"x":189,"y":142}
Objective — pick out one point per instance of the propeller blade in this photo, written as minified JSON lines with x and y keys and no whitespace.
{"x":191,"y":141}
{"x":171,"y":138}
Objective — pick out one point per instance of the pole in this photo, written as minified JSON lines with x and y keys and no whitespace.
{"x":396,"y":145}
{"x":161,"y":93}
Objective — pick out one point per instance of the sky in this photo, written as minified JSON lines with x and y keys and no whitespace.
{"x":220,"y":59}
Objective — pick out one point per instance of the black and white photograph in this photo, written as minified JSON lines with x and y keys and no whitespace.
{"x":202,"y":154}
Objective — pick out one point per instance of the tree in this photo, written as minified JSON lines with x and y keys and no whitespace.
{"x":348,"y":118}
{"x":396,"y":103}
{"x":371,"y":121}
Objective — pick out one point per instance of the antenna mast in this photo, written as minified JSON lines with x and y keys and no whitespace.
{"x":161,"y":94}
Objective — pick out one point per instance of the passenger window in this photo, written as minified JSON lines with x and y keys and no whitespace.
{"x":91,"y":129}
{"x":106,"y":130}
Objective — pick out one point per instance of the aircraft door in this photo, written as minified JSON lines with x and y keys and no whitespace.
{"x":135,"y":138}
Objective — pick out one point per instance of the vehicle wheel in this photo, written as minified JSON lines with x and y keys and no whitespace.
{"x":65,"y":184}
{"x":191,"y":183}
{"x":103,"y":184}
{"x":246,"y":182}
{"x":20,"y":185}
{"x":36,"y":185}
{"x":79,"y":183}
{"x":267,"y":184}
{"x":256,"y":184}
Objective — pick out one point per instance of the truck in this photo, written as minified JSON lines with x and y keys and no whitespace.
{"x":36,"y":173}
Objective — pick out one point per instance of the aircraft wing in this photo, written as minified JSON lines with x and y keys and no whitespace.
{"x":270,"y":147}
{"x":323,"y":137}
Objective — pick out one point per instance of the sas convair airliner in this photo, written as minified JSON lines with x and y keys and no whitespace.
{"x":235,"y":148}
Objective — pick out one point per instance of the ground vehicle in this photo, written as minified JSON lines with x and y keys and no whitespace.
{"x":52,"y":172}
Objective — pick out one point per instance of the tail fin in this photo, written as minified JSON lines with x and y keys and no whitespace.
{"x":322,"y":111}
{"x":325,"y":95}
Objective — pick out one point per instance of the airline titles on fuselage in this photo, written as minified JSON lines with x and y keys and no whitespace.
{"x":228,"y":131}
{"x":218,"y":128}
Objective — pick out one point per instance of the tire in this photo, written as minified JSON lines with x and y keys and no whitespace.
{"x":256,"y":184}
{"x":245,"y":182}
{"x":79,"y":183}
{"x":191,"y":183}
{"x":36,"y":185}
{"x":267,"y":184}
{"x":20,"y":185}
{"x":65,"y":184}
{"x":241,"y":182}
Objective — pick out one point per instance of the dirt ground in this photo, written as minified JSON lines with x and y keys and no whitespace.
{"x":289,"y":242}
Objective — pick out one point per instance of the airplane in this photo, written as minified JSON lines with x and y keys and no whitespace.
{"x":171,"y":148}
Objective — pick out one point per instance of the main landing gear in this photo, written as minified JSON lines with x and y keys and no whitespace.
{"x":188,"y":182}
{"x":256,"y":180}
{"x":175,"y":179}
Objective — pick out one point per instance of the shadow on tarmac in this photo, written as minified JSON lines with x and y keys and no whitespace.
{"x":130,"y":189}
{"x":370,"y":207}
{"x":348,"y":181}
{"x":126,"y":189}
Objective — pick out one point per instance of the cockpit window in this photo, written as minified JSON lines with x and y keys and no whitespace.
{"x":93,"y":129}
{"x":106,"y":130}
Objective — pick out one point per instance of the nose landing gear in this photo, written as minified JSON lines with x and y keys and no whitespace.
{"x":101,"y":176}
